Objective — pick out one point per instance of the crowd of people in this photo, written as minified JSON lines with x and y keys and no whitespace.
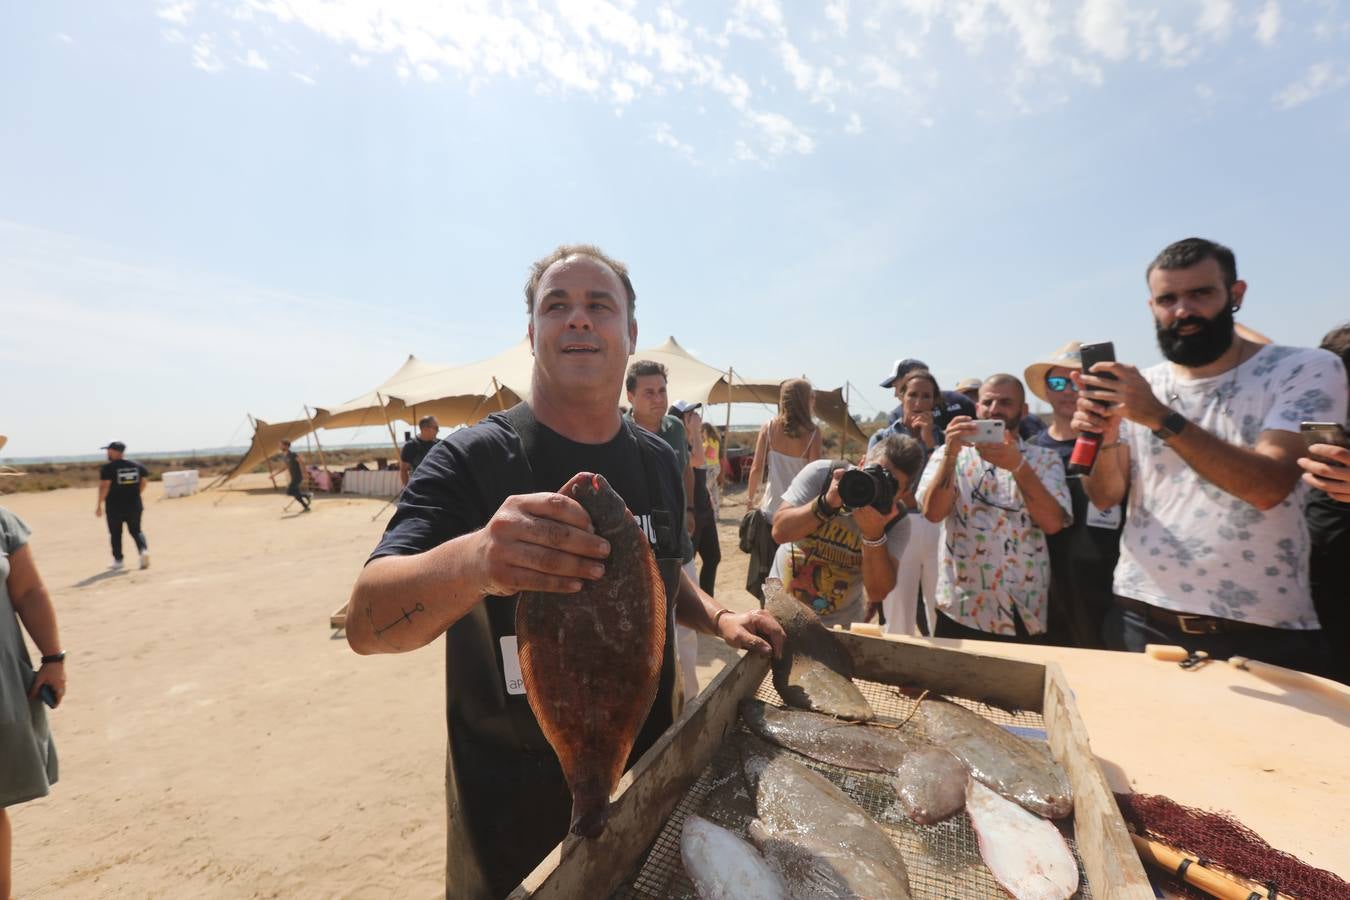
{"x":1193,"y":527}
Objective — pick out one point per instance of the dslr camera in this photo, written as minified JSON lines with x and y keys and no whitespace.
{"x":871,"y":485}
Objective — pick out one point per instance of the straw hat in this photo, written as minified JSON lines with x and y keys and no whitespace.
{"x":1034,"y":377}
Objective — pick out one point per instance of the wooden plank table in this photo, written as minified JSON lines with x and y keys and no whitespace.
{"x":1218,"y":738}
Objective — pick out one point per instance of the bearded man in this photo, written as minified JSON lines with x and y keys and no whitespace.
{"x":1203,"y":450}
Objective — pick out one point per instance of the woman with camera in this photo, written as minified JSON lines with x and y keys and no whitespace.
{"x":26,"y":746}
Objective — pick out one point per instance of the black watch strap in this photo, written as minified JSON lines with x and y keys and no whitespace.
{"x":1172,"y":425}
{"x":54,"y":658}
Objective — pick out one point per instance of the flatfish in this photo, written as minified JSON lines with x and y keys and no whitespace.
{"x":999,"y":759}
{"x":823,"y":843}
{"x":929,"y":782}
{"x":723,"y":866}
{"x":814,"y":672}
{"x":591,"y":661}
{"x":1026,"y":854}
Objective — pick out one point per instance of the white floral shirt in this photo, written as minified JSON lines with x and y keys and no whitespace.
{"x":1193,"y":548}
{"x":993,"y":557}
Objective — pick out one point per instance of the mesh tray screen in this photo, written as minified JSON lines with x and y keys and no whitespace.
{"x":943,"y":859}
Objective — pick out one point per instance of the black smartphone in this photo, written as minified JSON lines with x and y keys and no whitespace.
{"x":1091,"y":354}
{"x":48,"y":695}
{"x":1324,"y":433}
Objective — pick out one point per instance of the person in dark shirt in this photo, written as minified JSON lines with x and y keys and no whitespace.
{"x":1083,"y":555}
{"x":949,"y":406}
{"x":120,"y":485}
{"x":416,"y":450}
{"x":296,"y":487}
{"x":482,"y":519}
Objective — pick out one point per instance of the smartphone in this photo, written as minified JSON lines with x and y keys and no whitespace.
{"x":1324,"y":433}
{"x":48,"y":695}
{"x":1091,"y":354}
{"x":988,"y":431}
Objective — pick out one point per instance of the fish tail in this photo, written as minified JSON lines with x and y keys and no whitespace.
{"x":590,"y":809}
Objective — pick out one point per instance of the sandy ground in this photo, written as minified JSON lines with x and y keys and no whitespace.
{"x":218,"y":738}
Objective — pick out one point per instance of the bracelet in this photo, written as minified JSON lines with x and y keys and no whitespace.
{"x":717,"y":619}
{"x":58,"y":656}
{"x":1110,"y":446}
{"x":824,"y":511}
{"x":879,"y":542}
{"x":1019,"y":466}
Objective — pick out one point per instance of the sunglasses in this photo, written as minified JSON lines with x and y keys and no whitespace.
{"x":1059,"y":383}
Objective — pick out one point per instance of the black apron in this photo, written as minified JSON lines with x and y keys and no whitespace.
{"x":507,"y":803}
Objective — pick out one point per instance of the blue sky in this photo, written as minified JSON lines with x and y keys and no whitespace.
{"x":217,"y":208}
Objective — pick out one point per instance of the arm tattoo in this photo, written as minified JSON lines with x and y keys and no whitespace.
{"x":406,"y":617}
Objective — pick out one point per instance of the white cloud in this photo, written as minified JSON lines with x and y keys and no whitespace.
{"x":778,"y":135}
{"x":64,"y":38}
{"x":254,"y":61}
{"x":1215,"y":17}
{"x":204,"y":54}
{"x":1175,"y":46}
{"x":1103,"y":28}
{"x":1268,"y":23}
{"x":854,"y":124}
{"x":359,"y":61}
{"x":836,"y":13}
{"x":177,"y":12}
{"x":303,"y":78}
{"x":664,"y":135}
{"x":1204,"y":92}
{"x":1320,"y":78}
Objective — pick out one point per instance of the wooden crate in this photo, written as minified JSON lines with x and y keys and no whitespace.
{"x":650,"y":792}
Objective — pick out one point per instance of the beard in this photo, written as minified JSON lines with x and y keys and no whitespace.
{"x":1202,"y":347}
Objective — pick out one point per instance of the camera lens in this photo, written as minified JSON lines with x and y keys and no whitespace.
{"x":857,"y":488}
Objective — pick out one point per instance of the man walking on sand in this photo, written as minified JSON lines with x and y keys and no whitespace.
{"x":120,"y":485}
{"x":296,"y":487}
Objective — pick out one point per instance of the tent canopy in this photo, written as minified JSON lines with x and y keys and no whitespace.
{"x":266,"y":436}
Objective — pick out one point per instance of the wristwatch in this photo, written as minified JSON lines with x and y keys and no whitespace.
{"x":59,"y":656}
{"x":1172,"y":425}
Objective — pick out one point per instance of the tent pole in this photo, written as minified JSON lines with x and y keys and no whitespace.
{"x":726,"y":432}
{"x":310,"y":418}
{"x":392,"y":437}
{"x":497,"y":389}
{"x":266,"y":458}
{"x":843,"y":424}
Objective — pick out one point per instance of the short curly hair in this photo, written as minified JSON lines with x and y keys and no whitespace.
{"x":565,"y":251}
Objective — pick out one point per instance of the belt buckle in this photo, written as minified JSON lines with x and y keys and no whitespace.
{"x":1184,"y":623}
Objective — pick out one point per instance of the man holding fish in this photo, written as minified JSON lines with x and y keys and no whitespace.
{"x":494,"y":517}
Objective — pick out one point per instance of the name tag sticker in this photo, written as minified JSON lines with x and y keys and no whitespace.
{"x":515,"y":682}
{"x":1110,"y":518}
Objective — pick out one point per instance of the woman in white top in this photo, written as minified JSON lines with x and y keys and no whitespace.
{"x":786,"y":443}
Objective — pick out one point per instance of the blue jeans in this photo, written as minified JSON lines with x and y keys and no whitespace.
{"x":1305,"y":651}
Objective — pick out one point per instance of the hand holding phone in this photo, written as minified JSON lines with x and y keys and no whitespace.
{"x":1324,"y":433}
{"x":988,"y":431}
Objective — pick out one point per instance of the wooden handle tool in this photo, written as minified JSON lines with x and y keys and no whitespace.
{"x":1208,"y":880}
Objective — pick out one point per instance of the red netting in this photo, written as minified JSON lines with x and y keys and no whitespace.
{"x":1227,"y":844}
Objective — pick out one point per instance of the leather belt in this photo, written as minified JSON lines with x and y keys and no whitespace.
{"x":1187,"y":623}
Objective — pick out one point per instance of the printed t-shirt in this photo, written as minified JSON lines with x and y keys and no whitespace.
{"x":124,"y":492}
{"x":993,"y":557}
{"x":1190,"y":546}
{"x":824,"y":569}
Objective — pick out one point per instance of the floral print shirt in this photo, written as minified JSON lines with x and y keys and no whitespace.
{"x":994,"y":558}
{"x":1191,"y":547}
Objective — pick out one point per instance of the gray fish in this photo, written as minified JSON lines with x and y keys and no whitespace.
{"x":931,"y":784}
{"x":723,"y":866}
{"x":929,"y":781}
{"x":825,"y":739}
{"x":822,"y":842}
{"x":999,"y":759}
{"x":814,"y":672}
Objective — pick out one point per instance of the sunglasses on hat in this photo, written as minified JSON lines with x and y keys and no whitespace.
{"x":1059,"y":383}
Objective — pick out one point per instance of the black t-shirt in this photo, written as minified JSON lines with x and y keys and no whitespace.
{"x":414,"y":451}
{"x":293,"y":465}
{"x":505,"y":784}
{"x":126,"y":476}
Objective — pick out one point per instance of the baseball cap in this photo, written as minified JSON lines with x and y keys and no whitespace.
{"x":968,"y":384}
{"x":680,"y":407}
{"x":902,"y":368}
{"x":115,"y":445}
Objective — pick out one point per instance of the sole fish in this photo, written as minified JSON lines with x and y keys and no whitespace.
{"x":814,"y":672}
{"x":591,"y":661}
{"x":1026,"y":854}
{"x":1002,"y":761}
{"x":822,"y":842}
{"x":931,"y":784}
{"x":723,"y":866}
